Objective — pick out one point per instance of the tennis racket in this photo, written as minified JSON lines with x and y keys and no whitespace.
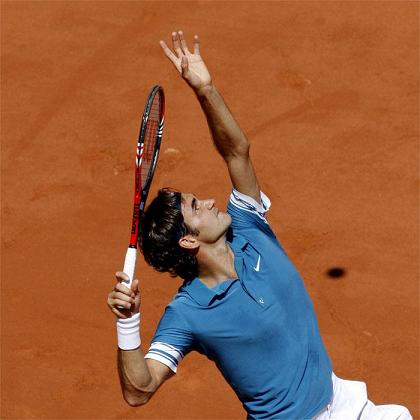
{"x":147,"y":152}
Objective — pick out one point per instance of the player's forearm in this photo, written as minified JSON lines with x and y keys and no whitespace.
{"x":135,"y":378}
{"x":228,"y":137}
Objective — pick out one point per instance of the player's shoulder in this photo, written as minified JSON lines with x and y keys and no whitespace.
{"x":181,"y":301}
{"x":246,"y":212}
{"x":176,"y":312}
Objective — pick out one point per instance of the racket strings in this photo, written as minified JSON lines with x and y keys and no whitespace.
{"x":150,"y":139}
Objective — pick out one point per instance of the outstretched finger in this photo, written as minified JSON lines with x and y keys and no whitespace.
{"x":196,"y":45}
{"x":169,"y":53}
{"x":176,"y":44}
{"x":183,"y":42}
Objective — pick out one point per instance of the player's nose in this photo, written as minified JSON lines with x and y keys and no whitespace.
{"x":210,"y":203}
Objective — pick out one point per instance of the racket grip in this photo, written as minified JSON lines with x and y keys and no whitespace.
{"x":130,"y":266}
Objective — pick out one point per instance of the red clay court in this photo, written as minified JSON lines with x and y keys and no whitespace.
{"x":328,"y":94}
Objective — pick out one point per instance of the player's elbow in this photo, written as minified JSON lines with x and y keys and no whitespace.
{"x":136,"y":403}
{"x":136,"y":400}
{"x":241,"y":151}
{"x":245,"y":149}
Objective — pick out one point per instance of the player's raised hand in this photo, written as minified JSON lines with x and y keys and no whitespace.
{"x":190,"y":65}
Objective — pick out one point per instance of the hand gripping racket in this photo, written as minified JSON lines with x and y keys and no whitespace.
{"x":147,"y":152}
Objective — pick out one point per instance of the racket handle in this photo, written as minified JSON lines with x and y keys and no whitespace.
{"x":130,"y":266}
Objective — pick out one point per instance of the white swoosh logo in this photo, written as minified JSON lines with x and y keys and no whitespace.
{"x":257,"y":267}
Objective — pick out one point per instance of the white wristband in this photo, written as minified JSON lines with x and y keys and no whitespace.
{"x":128,"y":331}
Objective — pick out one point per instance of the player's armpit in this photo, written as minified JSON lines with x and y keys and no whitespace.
{"x":242,"y":175}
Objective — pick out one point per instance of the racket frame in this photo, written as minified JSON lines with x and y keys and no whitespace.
{"x":141,"y":193}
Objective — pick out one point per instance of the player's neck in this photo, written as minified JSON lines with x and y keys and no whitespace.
{"x":216,"y":263}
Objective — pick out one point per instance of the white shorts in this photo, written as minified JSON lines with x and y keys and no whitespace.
{"x":350,"y":402}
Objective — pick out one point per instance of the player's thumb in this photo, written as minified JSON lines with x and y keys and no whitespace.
{"x":135,"y":286}
{"x":137,"y":297}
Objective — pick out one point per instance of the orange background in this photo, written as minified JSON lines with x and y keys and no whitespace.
{"x":328,"y":95}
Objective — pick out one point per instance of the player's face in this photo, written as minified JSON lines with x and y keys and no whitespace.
{"x":204,"y":216}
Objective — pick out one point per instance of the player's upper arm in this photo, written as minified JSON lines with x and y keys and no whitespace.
{"x":242,"y":175}
{"x":135,"y":395}
{"x":159,"y":373}
{"x":171,"y":342}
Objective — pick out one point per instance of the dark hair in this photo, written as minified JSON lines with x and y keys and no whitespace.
{"x":161,"y":227}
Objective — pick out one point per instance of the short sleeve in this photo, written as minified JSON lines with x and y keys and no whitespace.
{"x":244,"y":210}
{"x":172,"y":340}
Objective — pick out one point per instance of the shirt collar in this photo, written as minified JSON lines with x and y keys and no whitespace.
{"x":238,"y":243}
{"x":202,"y":294}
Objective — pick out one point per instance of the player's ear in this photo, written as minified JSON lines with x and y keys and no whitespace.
{"x":189,"y":242}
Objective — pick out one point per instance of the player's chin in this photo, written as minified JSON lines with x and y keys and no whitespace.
{"x":226,"y":218}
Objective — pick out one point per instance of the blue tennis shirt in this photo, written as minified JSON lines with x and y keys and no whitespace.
{"x":260,"y":329}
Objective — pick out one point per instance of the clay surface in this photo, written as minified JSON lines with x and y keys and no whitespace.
{"x":327,"y":93}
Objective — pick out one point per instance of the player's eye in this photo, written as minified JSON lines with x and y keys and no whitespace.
{"x":194,"y":205}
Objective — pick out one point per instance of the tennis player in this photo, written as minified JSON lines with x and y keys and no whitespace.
{"x":242,"y":302}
